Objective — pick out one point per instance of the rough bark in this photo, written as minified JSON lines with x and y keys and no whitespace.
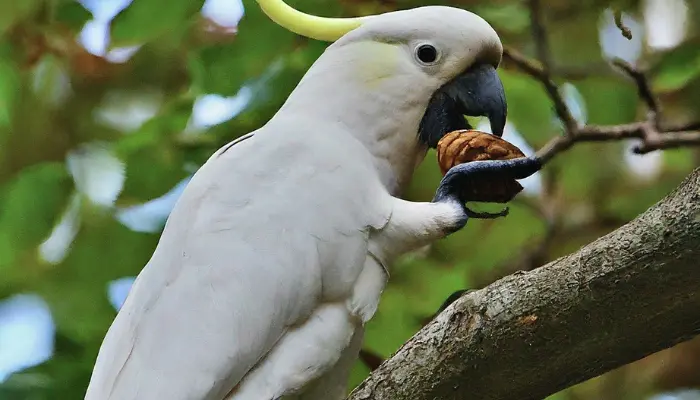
{"x":630,"y":293}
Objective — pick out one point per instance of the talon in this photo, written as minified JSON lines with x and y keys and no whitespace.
{"x":450,"y":190}
{"x":486,"y":215}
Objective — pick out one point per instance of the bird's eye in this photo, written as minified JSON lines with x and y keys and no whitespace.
{"x":426,"y":53}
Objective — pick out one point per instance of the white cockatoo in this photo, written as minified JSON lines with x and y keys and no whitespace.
{"x":277,"y":252}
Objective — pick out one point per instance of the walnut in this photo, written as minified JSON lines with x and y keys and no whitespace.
{"x":464,"y":146}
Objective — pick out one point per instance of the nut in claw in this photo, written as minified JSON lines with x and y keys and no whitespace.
{"x":462,"y":146}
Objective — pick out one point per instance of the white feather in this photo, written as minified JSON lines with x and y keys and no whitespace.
{"x":251,"y":251}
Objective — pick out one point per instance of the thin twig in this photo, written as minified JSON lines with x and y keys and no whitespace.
{"x":543,"y":70}
{"x":535,"y":69}
{"x":626,"y":32}
{"x":539,"y":34}
{"x":649,"y":131}
{"x":640,"y":79}
{"x":652,"y":136}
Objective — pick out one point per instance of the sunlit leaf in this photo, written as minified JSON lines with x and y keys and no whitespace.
{"x":29,"y":206}
{"x":144,"y":20}
{"x":151,"y":215}
{"x":26,"y":333}
{"x":98,"y":174}
{"x":129,"y":110}
{"x":666,"y":22}
{"x":678,"y":68}
{"x":55,"y":248}
{"x":118,"y":290}
{"x":51,"y":81}
{"x":217,"y":68}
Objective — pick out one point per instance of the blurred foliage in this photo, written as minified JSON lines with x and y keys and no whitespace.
{"x":84,"y":137}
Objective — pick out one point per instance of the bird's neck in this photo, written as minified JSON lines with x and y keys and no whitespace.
{"x":384,"y":123}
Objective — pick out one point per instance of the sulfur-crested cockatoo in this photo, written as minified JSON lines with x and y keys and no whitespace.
{"x":277,"y":252}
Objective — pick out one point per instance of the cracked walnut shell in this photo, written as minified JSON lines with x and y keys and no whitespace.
{"x":462,"y":146}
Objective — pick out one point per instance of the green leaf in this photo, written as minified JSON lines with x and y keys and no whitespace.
{"x":145,"y":20}
{"x":51,"y":82}
{"x":609,"y":101}
{"x":588,"y":168}
{"x":153,"y":164}
{"x":73,"y":14}
{"x":151,"y":172}
{"x":558,"y":396}
{"x":13,"y":11}
{"x":29,"y":206}
{"x":9,"y":86}
{"x":481,"y":245}
{"x":529,"y":108}
{"x":79,"y":285}
{"x":220,"y":69}
{"x":679,"y":160}
{"x":508,"y":17}
{"x":270,"y":90}
{"x":677,"y":69}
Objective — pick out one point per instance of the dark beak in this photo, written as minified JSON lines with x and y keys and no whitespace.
{"x":477,"y":92}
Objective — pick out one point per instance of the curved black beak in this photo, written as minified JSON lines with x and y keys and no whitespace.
{"x":477,"y":92}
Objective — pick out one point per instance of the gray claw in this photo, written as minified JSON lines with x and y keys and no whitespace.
{"x":486,"y":215}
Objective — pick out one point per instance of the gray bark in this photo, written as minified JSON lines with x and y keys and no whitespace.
{"x":630,"y":293}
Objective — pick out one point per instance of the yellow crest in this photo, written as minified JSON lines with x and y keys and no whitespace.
{"x":314,"y":27}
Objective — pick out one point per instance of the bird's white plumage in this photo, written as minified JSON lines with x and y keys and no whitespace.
{"x":275,"y":255}
{"x":234,"y":271}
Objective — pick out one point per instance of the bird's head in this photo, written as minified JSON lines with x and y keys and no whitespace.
{"x":414,"y":74}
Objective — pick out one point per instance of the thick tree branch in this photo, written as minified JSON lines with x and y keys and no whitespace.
{"x":630,"y":293}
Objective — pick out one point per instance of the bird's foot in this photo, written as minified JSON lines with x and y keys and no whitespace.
{"x":459,"y":175}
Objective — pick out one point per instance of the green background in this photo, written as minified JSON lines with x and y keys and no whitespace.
{"x":83,"y":139}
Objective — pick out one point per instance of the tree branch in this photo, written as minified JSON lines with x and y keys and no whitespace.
{"x":626,"y":32}
{"x":653,"y":137}
{"x":539,"y":34}
{"x":630,"y":293}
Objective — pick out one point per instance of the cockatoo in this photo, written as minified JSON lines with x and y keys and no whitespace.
{"x":276,"y":254}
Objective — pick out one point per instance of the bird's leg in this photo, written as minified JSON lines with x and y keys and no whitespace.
{"x":449,"y":189}
{"x":413,"y":225}
{"x":416,"y":224}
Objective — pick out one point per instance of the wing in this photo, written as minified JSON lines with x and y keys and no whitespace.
{"x":240,"y":260}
